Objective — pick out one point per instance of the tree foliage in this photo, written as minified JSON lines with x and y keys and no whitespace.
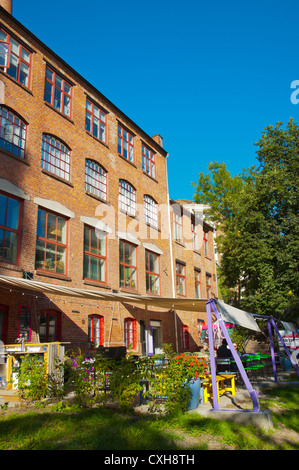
{"x":257,"y":216}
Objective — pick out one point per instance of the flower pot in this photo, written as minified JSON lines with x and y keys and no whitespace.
{"x":195,"y":390}
{"x":285,"y":364}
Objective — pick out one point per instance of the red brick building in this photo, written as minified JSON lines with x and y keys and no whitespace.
{"x":84,"y":204}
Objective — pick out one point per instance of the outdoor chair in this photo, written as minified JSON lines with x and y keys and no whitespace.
{"x":223,"y":365}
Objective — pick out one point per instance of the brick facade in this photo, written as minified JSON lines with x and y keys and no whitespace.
{"x":37,"y":188}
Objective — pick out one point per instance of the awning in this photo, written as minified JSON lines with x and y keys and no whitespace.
{"x":235,"y":315}
{"x":289,"y":327}
{"x":228,"y":313}
{"x":169,"y":303}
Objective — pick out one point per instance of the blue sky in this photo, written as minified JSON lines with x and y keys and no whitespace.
{"x":207,"y":76}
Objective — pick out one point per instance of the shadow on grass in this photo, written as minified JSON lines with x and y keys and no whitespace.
{"x":86,"y":430}
{"x":110,"y":429}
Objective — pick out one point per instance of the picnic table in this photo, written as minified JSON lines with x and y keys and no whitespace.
{"x":222,"y":385}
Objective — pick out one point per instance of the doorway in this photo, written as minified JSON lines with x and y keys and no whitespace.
{"x":157,"y":342}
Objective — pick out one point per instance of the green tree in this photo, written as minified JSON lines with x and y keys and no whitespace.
{"x":257,"y":214}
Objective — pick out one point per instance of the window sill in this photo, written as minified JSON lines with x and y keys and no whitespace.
{"x":16,"y":82}
{"x":59,"y":112}
{"x":126,"y":160}
{"x":151,"y":177}
{"x":128,"y":290}
{"x":152,"y":226}
{"x":11,"y":267}
{"x":90,"y":282}
{"x":97,"y":139}
{"x":98,"y":198}
{"x":152,"y":294}
{"x":180,"y":243}
{"x":133,"y":216}
{"x":12,"y":155}
{"x":58,"y":178}
{"x":62,"y":277}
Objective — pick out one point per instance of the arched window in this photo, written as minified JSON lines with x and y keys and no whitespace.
{"x":95,"y":179}
{"x":50,"y":326}
{"x":150,"y":211}
{"x":12,"y":132}
{"x":56,"y":157}
{"x":127,"y":197}
{"x":131,"y":333}
{"x":96,"y":330}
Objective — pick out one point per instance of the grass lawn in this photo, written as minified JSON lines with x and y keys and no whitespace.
{"x":105,"y":428}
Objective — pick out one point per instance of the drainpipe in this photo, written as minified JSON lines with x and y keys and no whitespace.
{"x":171,"y":259}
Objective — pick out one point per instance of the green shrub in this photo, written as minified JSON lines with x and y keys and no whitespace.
{"x":32,"y":377}
{"x":172,"y":381}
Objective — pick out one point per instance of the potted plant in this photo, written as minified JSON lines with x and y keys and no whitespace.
{"x":193,"y":367}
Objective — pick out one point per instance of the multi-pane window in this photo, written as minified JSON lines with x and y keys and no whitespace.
{"x":12,"y":132}
{"x":96,"y":330}
{"x":177,"y":226}
{"x":201,"y":331}
{"x":180,"y":278}
{"x":10,"y":227}
{"x":208,"y":285}
{"x":5,"y":48}
{"x":205,"y":242}
{"x":152,"y":271}
{"x":20,"y":60}
{"x":195,"y":245}
{"x":127,"y":265}
{"x":94,"y":266}
{"x":49,"y":326}
{"x":185,"y":337}
{"x":125,"y":144}
{"x":148,"y":161}
{"x":95,"y":121}
{"x":197,"y":276}
{"x":95,"y":179}
{"x":131,"y":333}
{"x":150,"y":211}
{"x":58,"y":92}
{"x":25,"y":322}
{"x":127,"y":198}
{"x":51,"y":243}
{"x":55,"y":157}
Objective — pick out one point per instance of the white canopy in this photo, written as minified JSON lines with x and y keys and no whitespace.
{"x":289,"y":326}
{"x":192,"y":305}
{"x":228,"y":313}
{"x":235,"y":315}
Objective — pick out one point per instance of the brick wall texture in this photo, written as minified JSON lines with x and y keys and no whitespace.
{"x":26,"y":174}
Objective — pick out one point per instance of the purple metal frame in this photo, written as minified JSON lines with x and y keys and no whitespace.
{"x":271,"y":322}
{"x":253,"y":394}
